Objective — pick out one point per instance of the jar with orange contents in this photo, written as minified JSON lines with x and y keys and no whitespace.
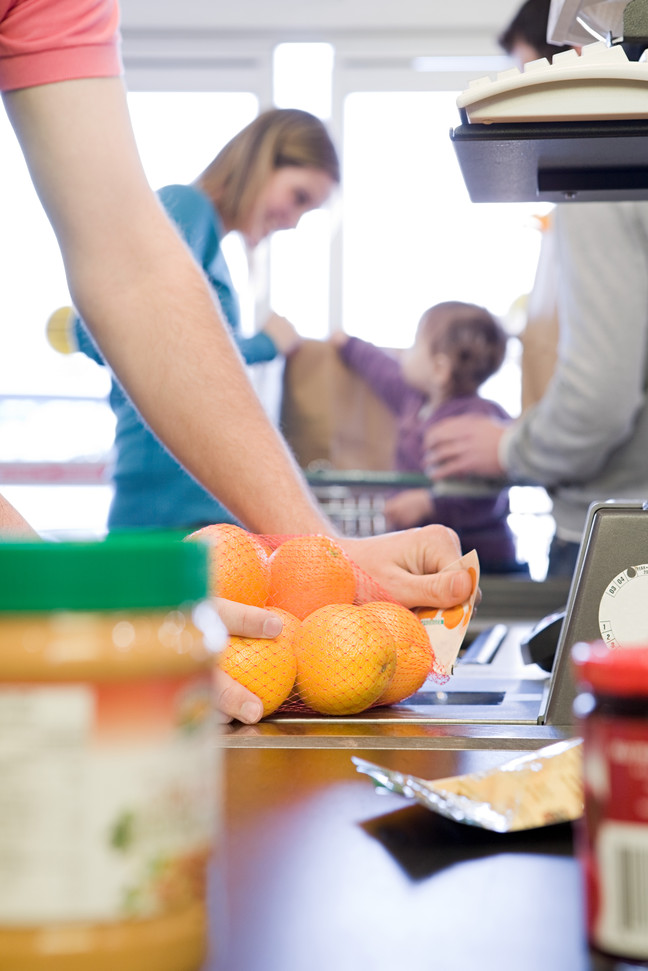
{"x":611,"y":711}
{"x":108,"y":762}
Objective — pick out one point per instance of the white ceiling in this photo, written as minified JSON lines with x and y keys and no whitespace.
{"x":288,"y":17}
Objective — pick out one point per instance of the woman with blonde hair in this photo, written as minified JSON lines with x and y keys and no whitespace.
{"x":280,"y":166}
{"x":283,"y":146}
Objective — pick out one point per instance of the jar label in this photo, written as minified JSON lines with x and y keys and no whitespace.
{"x":107,"y":799}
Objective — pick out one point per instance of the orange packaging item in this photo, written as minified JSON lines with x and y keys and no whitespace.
{"x":108,"y":805}
{"x":446,"y":627}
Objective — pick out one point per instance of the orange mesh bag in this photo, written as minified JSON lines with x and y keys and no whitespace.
{"x":415,"y":659}
{"x":346,"y":645}
{"x":238,"y":563}
{"x":267,"y":666}
{"x":346,"y":659}
{"x":307,"y":572}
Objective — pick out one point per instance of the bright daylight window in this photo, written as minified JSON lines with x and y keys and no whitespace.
{"x":410,"y":237}
{"x":301,"y":259}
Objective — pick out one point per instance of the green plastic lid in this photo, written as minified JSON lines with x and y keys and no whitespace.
{"x":131,"y":571}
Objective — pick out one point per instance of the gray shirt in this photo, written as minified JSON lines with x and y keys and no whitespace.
{"x":587,"y":439}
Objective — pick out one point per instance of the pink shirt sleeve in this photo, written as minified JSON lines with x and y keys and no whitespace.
{"x":43,"y":41}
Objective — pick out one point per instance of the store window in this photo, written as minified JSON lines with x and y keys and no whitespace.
{"x":401,"y":235}
{"x":300,"y":260}
{"x":411,"y":235}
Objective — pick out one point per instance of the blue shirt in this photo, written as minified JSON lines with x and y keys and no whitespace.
{"x":152,"y":489}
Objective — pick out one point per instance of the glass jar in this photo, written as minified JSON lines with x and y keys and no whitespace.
{"x":108,"y":798}
{"x":611,"y":712}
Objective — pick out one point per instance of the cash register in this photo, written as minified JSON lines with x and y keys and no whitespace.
{"x":573,"y":130}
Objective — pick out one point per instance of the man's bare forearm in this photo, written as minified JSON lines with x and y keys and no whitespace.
{"x":194,"y":392}
{"x":149,"y":307}
{"x":12,"y":524}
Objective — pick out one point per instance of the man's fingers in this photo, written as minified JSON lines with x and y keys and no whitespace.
{"x":438,"y":589}
{"x":232,"y":700}
{"x":410,"y":567}
{"x":247,"y":621}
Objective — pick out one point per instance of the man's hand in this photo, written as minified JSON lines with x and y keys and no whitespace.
{"x":466,"y":445}
{"x":12,"y":524}
{"x":409,"y":508}
{"x":407,"y":565}
{"x":231,"y":698}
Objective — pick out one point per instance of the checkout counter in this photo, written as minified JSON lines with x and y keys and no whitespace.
{"x":317,"y":871}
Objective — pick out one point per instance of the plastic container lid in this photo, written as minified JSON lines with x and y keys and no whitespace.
{"x":133,"y":571}
{"x":612,"y":671}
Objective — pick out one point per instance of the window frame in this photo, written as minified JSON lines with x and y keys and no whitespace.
{"x":211,"y":60}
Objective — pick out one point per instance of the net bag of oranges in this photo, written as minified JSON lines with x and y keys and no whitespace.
{"x":345,"y":645}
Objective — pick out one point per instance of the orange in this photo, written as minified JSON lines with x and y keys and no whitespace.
{"x":414,"y":655}
{"x":453,"y":616}
{"x":450,"y":617}
{"x":265,"y":666}
{"x":308,"y":572}
{"x":346,"y":658}
{"x":238,"y":564}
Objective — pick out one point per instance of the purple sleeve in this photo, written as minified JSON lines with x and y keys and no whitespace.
{"x":469,"y":514}
{"x":470,"y":405}
{"x":381,"y":371}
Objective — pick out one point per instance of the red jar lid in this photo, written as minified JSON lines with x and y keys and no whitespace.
{"x":612,"y":671}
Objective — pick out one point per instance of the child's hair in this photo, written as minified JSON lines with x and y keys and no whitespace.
{"x":471,"y":337}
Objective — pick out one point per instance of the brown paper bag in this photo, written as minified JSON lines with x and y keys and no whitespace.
{"x":330,"y":415}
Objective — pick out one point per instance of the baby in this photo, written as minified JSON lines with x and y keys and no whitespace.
{"x":457,"y":347}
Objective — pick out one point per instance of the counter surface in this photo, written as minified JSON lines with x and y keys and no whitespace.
{"x":317,"y":872}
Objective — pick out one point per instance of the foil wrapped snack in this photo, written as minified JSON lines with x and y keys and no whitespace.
{"x":536,"y":789}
